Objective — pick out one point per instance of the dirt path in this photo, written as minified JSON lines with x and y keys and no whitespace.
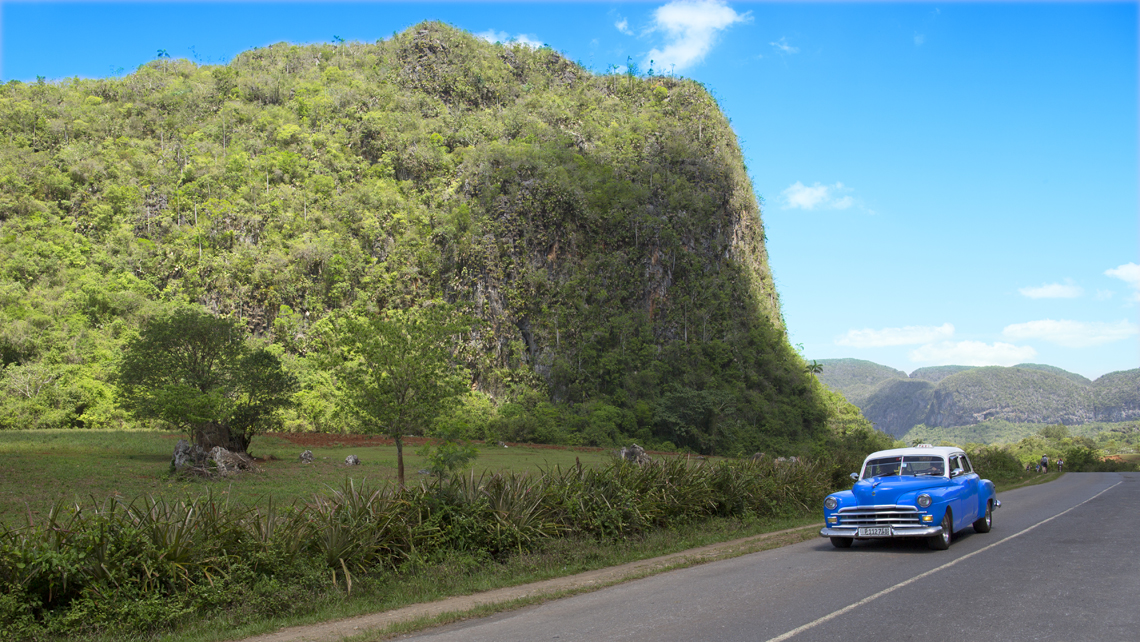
{"x":456,"y":608}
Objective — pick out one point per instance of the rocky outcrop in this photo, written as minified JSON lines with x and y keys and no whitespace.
{"x":217,"y":462}
{"x":635,"y":454}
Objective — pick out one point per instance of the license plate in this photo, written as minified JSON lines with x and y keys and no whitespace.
{"x":875,"y":531}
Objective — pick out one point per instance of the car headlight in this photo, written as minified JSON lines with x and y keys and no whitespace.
{"x":924,"y":501}
{"x":830,"y":503}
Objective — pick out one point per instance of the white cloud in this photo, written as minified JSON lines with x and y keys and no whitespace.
{"x":1066,"y":290}
{"x":782,"y":46}
{"x":623,"y":26}
{"x":800,"y":196}
{"x":919,"y":39}
{"x":1130,"y":274}
{"x":1072,"y":334}
{"x":972,"y":353}
{"x":1104,"y":295}
{"x":910,"y":335}
{"x":491,"y":35}
{"x":691,"y":27}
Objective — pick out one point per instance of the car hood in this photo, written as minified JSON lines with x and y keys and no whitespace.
{"x":887,"y":490}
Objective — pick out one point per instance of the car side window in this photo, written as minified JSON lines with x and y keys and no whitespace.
{"x":955,"y":463}
{"x":966,"y":464}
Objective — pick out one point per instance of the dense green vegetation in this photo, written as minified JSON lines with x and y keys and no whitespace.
{"x":960,"y":396}
{"x":602,"y":228}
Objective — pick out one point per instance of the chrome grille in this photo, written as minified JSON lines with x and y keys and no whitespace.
{"x":879,"y":516}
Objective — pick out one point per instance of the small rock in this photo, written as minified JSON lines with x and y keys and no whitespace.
{"x":352,"y":460}
{"x":307,"y":457}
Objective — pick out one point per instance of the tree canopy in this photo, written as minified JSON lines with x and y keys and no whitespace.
{"x":196,"y":372}
{"x":400,"y":369}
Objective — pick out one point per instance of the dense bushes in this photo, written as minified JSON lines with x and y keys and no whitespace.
{"x":150,"y":564}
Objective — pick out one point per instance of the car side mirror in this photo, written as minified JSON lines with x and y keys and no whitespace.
{"x":956,"y":472}
{"x":855,"y":476}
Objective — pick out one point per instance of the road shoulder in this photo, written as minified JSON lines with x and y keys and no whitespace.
{"x":457,"y":608}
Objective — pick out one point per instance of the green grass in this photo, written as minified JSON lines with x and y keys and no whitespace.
{"x":43,"y":466}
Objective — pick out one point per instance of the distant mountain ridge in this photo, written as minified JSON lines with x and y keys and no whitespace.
{"x":948,"y":396}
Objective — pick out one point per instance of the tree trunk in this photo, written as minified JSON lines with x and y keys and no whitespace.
{"x":211,"y":433}
{"x":400,"y":460}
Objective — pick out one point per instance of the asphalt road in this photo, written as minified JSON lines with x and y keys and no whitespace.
{"x":1060,"y":564}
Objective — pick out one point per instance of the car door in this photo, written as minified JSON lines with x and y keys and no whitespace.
{"x":965,"y":503}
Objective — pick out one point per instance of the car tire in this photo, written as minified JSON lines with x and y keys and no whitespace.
{"x":842,"y":542}
{"x":941,"y":541}
{"x":984,"y":524}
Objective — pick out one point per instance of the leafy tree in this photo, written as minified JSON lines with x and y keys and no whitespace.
{"x":399,"y":371}
{"x":196,"y":372}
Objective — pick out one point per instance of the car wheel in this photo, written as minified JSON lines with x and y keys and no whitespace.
{"x":841,"y":542}
{"x":941,"y":541}
{"x":984,"y":524}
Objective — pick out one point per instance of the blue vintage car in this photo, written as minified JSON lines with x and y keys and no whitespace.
{"x":924,"y":491}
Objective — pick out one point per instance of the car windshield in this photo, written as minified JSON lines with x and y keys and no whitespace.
{"x":910,"y":465}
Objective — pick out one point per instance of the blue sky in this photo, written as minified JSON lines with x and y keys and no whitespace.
{"x":942,"y":183}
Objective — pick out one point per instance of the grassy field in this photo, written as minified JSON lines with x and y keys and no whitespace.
{"x":39,"y":467}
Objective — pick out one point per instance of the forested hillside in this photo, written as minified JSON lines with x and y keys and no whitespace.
{"x":855,"y":378}
{"x":955,"y":396}
{"x":602,"y":227}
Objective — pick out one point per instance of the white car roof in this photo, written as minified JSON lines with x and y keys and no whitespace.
{"x":944,"y":451}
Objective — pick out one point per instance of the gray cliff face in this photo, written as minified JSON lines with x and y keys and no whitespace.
{"x":963,"y":408}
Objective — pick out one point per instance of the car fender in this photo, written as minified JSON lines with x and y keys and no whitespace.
{"x":986,"y":492}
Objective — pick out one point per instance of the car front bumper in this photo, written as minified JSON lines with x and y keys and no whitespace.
{"x":921,"y":531}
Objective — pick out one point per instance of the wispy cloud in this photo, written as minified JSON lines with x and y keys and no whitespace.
{"x":910,"y":335}
{"x":691,"y":28}
{"x":919,"y":39}
{"x":1072,"y":334}
{"x":491,"y":35}
{"x":972,"y":353}
{"x":782,"y":46}
{"x":822,"y":197}
{"x":1130,"y":274}
{"x":623,"y":26}
{"x":1066,"y":290}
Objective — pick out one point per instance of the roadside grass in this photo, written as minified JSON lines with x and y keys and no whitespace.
{"x":1027,"y":479}
{"x":41,"y":467}
{"x":458,"y":575}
